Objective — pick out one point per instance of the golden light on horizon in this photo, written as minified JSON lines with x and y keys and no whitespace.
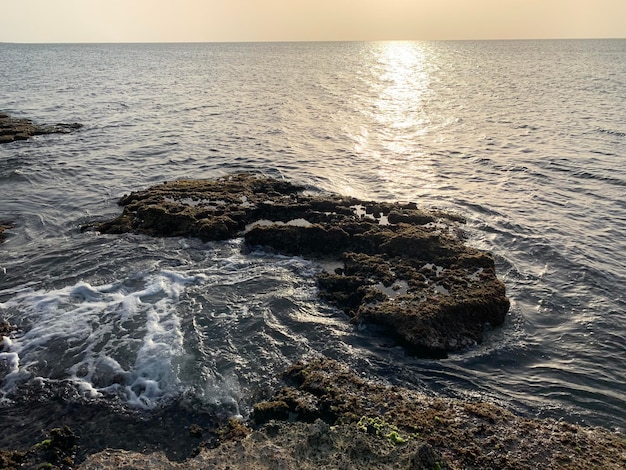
{"x":319,"y":20}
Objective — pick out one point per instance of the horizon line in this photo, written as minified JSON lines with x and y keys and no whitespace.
{"x":287,"y":41}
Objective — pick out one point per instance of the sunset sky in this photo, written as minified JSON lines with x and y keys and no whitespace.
{"x":303,"y":20}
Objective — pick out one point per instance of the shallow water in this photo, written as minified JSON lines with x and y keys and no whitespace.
{"x":524,"y":138}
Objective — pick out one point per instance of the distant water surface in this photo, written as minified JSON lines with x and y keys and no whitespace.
{"x":527,"y":139}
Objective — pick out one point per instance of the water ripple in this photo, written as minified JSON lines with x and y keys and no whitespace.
{"x":530,"y":152}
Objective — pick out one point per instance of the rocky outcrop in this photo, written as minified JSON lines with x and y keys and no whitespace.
{"x":12,"y":129}
{"x":399,"y":266}
{"x":288,"y":446}
{"x":328,"y":417}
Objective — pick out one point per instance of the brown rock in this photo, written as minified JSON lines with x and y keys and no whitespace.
{"x":12,"y":129}
{"x":359,"y":424}
{"x":404,"y":268}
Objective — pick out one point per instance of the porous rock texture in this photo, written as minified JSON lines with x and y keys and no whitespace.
{"x":401,"y":267}
{"x":328,"y":417}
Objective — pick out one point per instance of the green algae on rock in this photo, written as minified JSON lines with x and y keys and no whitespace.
{"x":465,"y":434}
{"x":12,"y":129}
{"x":402,"y":267}
{"x":57,"y":451}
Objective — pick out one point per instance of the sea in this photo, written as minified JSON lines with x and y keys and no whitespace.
{"x":130,"y":339}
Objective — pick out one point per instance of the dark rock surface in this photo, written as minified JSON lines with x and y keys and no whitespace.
{"x":328,"y":417}
{"x":12,"y":129}
{"x":57,"y":451}
{"x":399,"y":266}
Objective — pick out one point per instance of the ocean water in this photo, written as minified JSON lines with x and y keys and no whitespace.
{"x":527,"y":139}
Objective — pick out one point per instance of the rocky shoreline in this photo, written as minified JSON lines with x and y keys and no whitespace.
{"x":327,"y":417}
{"x":394,"y":265}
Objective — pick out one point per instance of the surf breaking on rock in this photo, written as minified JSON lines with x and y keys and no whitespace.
{"x":401,"y":267}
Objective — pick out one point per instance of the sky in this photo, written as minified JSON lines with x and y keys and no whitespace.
{"x":52,"y":21}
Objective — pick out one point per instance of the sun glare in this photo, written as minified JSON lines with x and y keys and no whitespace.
{"x":400,"y":83}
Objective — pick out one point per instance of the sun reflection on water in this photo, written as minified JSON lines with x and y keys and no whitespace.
{"x":403,"y":81}
{"x":397,"y":121}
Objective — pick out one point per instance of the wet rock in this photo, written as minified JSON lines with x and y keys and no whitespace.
{"x":57,"y":450}
{"x":12,"y":129}
{"x":234,"y":430}
{"x":4,"y":226}
{"x":195,"y":431}
{"x":360,"y":424}
{"x":287,"y":403}
{"x":6,"y":329}
{"x":441,"y":432}
{"x":268,"y":410}
{"x":12,"y":459}
{"x":405,"y":268}
{"x":288,"y":446}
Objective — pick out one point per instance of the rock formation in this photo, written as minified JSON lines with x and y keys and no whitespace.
{"x":401,"y":267}
{"x":12,"y":129}
{"x":398,"y":266}
{"x":328,"y":417}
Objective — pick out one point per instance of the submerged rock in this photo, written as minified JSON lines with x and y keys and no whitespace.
{"x":4,"y":226}
{"x":12,"y":129}
{"x":401,"y":267}
{"x":5,"y":330}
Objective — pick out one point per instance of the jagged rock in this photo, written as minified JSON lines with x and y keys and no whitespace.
{"x":12,"y":129}
{"x":405,"y":268}
{"x":288,"y":446}
{"x":456,"y":433}
{"x":354,"y":423}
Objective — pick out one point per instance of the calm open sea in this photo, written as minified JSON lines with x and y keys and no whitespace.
{"x":527,"y":139}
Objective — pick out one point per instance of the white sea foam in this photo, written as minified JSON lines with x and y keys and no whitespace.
{"x":225,"y":392}
{"x":123,"y":338}
{"x":12,"y":361}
